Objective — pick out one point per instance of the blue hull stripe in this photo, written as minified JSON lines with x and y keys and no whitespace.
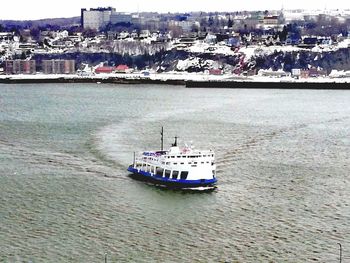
{"x":148,"y":175}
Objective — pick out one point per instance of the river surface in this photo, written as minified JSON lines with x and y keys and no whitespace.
{"x":283,"y":168}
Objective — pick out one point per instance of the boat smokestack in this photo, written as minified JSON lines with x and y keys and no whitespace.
{"x":175,"y":143}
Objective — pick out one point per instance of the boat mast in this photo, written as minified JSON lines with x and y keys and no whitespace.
{"x":161,"y":139}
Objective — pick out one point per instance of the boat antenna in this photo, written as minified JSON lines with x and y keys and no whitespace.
{"x":161,"y":139}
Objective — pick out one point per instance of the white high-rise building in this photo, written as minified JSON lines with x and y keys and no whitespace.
{"x":95,"y":18}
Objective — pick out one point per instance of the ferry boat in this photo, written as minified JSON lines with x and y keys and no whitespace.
{"x":177,"y":167}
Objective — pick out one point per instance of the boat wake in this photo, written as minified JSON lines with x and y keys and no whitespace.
{"x":116,"y":142}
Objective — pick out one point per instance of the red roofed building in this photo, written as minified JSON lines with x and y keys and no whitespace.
{"x":215,"y":72}
{"x":104,"y":69}
{"x":122,"y":69}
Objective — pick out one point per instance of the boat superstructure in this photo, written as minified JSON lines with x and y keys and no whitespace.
{"x":184,"y":167}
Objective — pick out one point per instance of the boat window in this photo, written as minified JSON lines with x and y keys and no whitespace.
{"x":178,"y":156}
{"x":159,"y":171}
{"x":167,"y":163}
{"x":183,"y":175}
{"x":202,"y":162}
{"x":175,"y":174}
{"x":182,"y":163}
{"x":175,"y":163}
{"x":172,"y":156}
{"x":167,"y":173}
{"x":195,"y":162}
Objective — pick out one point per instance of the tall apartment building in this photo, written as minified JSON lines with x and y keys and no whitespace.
{"x":20,"y":67}
{"x":96,"y":18}
{"x":58,"y":66}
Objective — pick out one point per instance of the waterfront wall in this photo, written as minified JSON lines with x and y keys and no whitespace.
{"x":267,"y":85}
{"x":228,"y":84}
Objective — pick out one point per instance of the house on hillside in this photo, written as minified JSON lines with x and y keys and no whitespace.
{"x":234,"y":41}
{"x":271,"y":20}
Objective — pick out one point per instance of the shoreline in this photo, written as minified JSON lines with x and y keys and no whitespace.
{"x":269,"y":85}
{"x":110,"y":80}
{"x":189,"y":80}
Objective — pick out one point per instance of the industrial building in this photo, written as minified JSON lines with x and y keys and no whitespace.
{"x":20,"y":67}
{"x":58,"y":66}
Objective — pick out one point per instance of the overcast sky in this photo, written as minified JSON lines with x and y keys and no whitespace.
{"x":36,"y":9}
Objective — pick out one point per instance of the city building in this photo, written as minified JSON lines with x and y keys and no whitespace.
{"x":304,"y":74}
{"x":58,"y":66}
{"x":186,"y":26}
{"x":271,"y":20}
{"x":20,"y":67}
{"x":215,"y":71}
{"x":104,"y":70}
{"x":122,"y":69}
{"x":6,"y":36}
{"x":96,"y":18}
{"x":120,"y":18}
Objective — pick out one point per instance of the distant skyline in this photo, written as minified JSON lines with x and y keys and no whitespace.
{"x":39,"y":9}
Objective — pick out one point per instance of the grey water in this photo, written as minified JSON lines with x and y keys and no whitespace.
{"x":283,"y":162}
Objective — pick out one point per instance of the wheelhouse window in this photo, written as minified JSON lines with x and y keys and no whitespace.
{"x":183,"y":175}
{"x":159,"y":171}
{"x":175,"y":174}
{"x":167,"y":173}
